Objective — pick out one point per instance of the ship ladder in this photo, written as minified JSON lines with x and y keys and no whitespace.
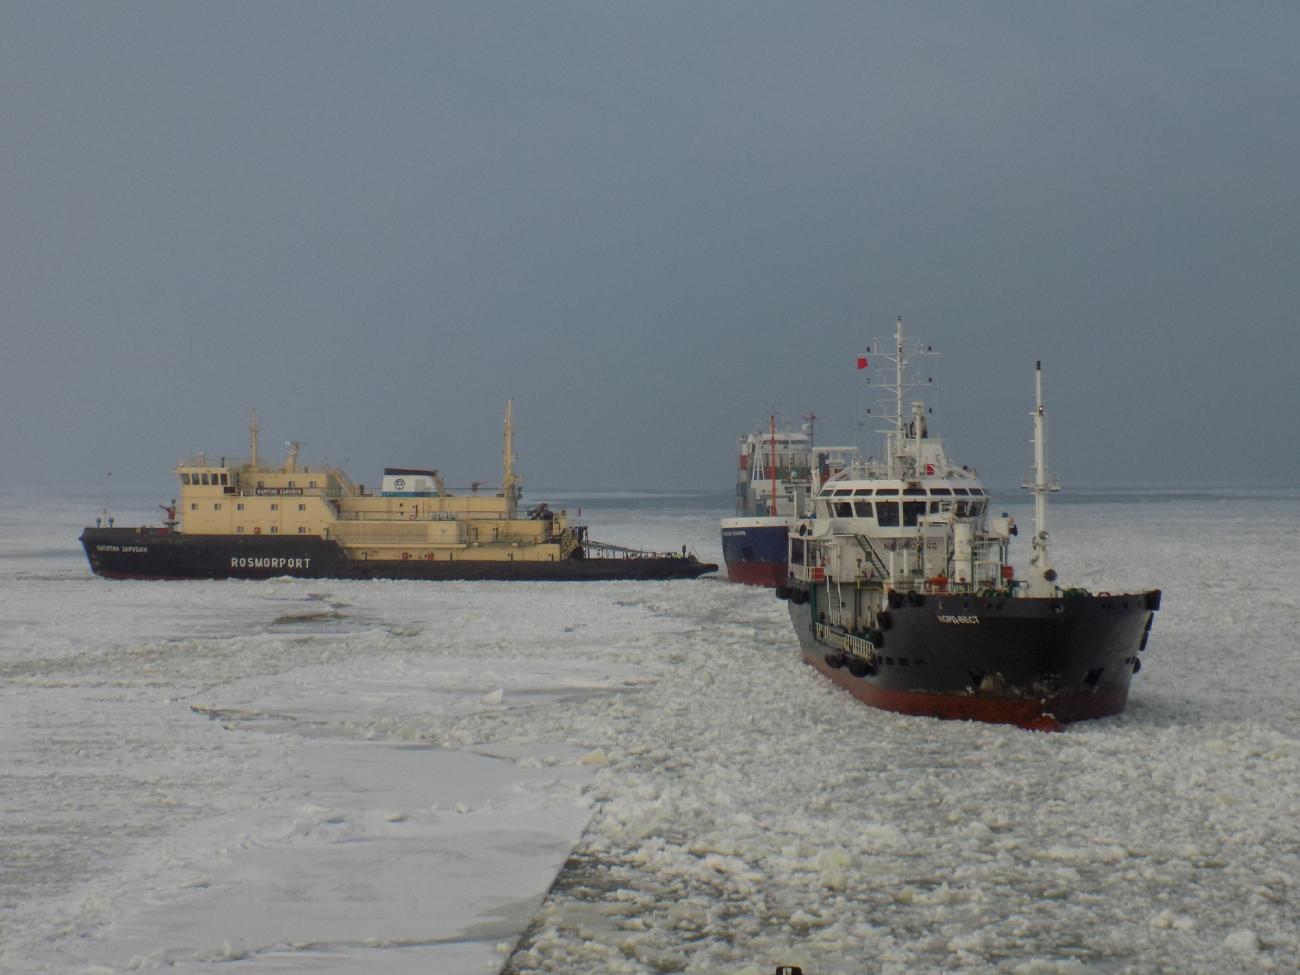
{"x":869,"y":550}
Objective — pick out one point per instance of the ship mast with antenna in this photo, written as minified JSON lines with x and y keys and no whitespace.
{"x":900,"y":457}
{"x":772,"y":507}
{"x":1042,"y":577}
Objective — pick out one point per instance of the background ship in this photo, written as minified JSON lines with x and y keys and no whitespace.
{"x":774,"y":481}
{"x":241,"y":519}
{"x":901,"y":590}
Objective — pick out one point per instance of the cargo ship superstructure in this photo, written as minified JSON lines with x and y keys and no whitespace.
{"x":901,"y":588}
{"x":244,"y":519}
{"x":773,"y":489}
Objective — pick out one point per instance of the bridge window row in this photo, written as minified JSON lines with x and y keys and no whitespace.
{"x":917,"y":492}
{"x":887,"y":513}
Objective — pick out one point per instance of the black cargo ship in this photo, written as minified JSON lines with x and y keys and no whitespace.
{"x":901,"y":590}
{"x":1031,"y":662}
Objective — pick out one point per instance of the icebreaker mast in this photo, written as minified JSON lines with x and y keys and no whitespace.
{"x":1042,"y":577}
{"x":252,"y":441}
{"x":510,"y":482}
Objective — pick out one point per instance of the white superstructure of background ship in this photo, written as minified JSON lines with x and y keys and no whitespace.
{"x":774,"y":483}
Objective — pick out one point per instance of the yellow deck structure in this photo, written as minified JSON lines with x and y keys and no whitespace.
{"x":246,"y":497}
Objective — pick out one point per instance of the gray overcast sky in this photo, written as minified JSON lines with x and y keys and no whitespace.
{"x":649,"y":223}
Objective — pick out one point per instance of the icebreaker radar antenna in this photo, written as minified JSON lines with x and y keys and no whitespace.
{"x":291,"y":461}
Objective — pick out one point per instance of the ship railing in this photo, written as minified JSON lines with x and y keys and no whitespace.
{"x":604,"y":550}
{"x":384,"y":516}
{"x":943,"y":586}
{"x":848,"y":642}
{"x":239,"y":463}
{"x":807,"y":573}
{"x":783,"y":474}
{"x":934,"y":586}
{"x":517,"y":538}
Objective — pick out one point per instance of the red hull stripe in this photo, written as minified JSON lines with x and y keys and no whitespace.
{"x":770,"y":574}
{"x":1050,"y":715}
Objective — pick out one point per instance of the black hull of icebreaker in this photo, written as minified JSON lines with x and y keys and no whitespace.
{"x":130,"y":553}
{"x":1034,"y":662}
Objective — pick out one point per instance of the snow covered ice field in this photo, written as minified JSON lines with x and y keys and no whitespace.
{"x":386,"y":777}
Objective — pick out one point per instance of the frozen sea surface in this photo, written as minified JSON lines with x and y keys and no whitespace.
{"x":385,"y":777}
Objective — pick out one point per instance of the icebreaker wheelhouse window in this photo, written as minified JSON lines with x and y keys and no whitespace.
{"x":947,"y":491}
{"x":912,"y":512}
{"x":913,"y":492}
{"x":887,"y":514}
{"x":861,"y":491}
{"x":863,"y":508}
{"x":844,"y":509}
{"x":796,"y":551}
{"x":960,"y":491}
{"x":886,"y":490}
{"x":205,"y":479}
{"x":224,"y":482}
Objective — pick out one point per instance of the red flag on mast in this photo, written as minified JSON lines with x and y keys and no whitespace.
{"x":862,"y":362}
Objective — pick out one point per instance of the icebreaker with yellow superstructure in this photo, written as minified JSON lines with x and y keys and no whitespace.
{"x":239,"y":518}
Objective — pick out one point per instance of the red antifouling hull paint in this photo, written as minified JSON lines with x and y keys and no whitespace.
{"x":1036,"y":715}
{"x":769,"y":574}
